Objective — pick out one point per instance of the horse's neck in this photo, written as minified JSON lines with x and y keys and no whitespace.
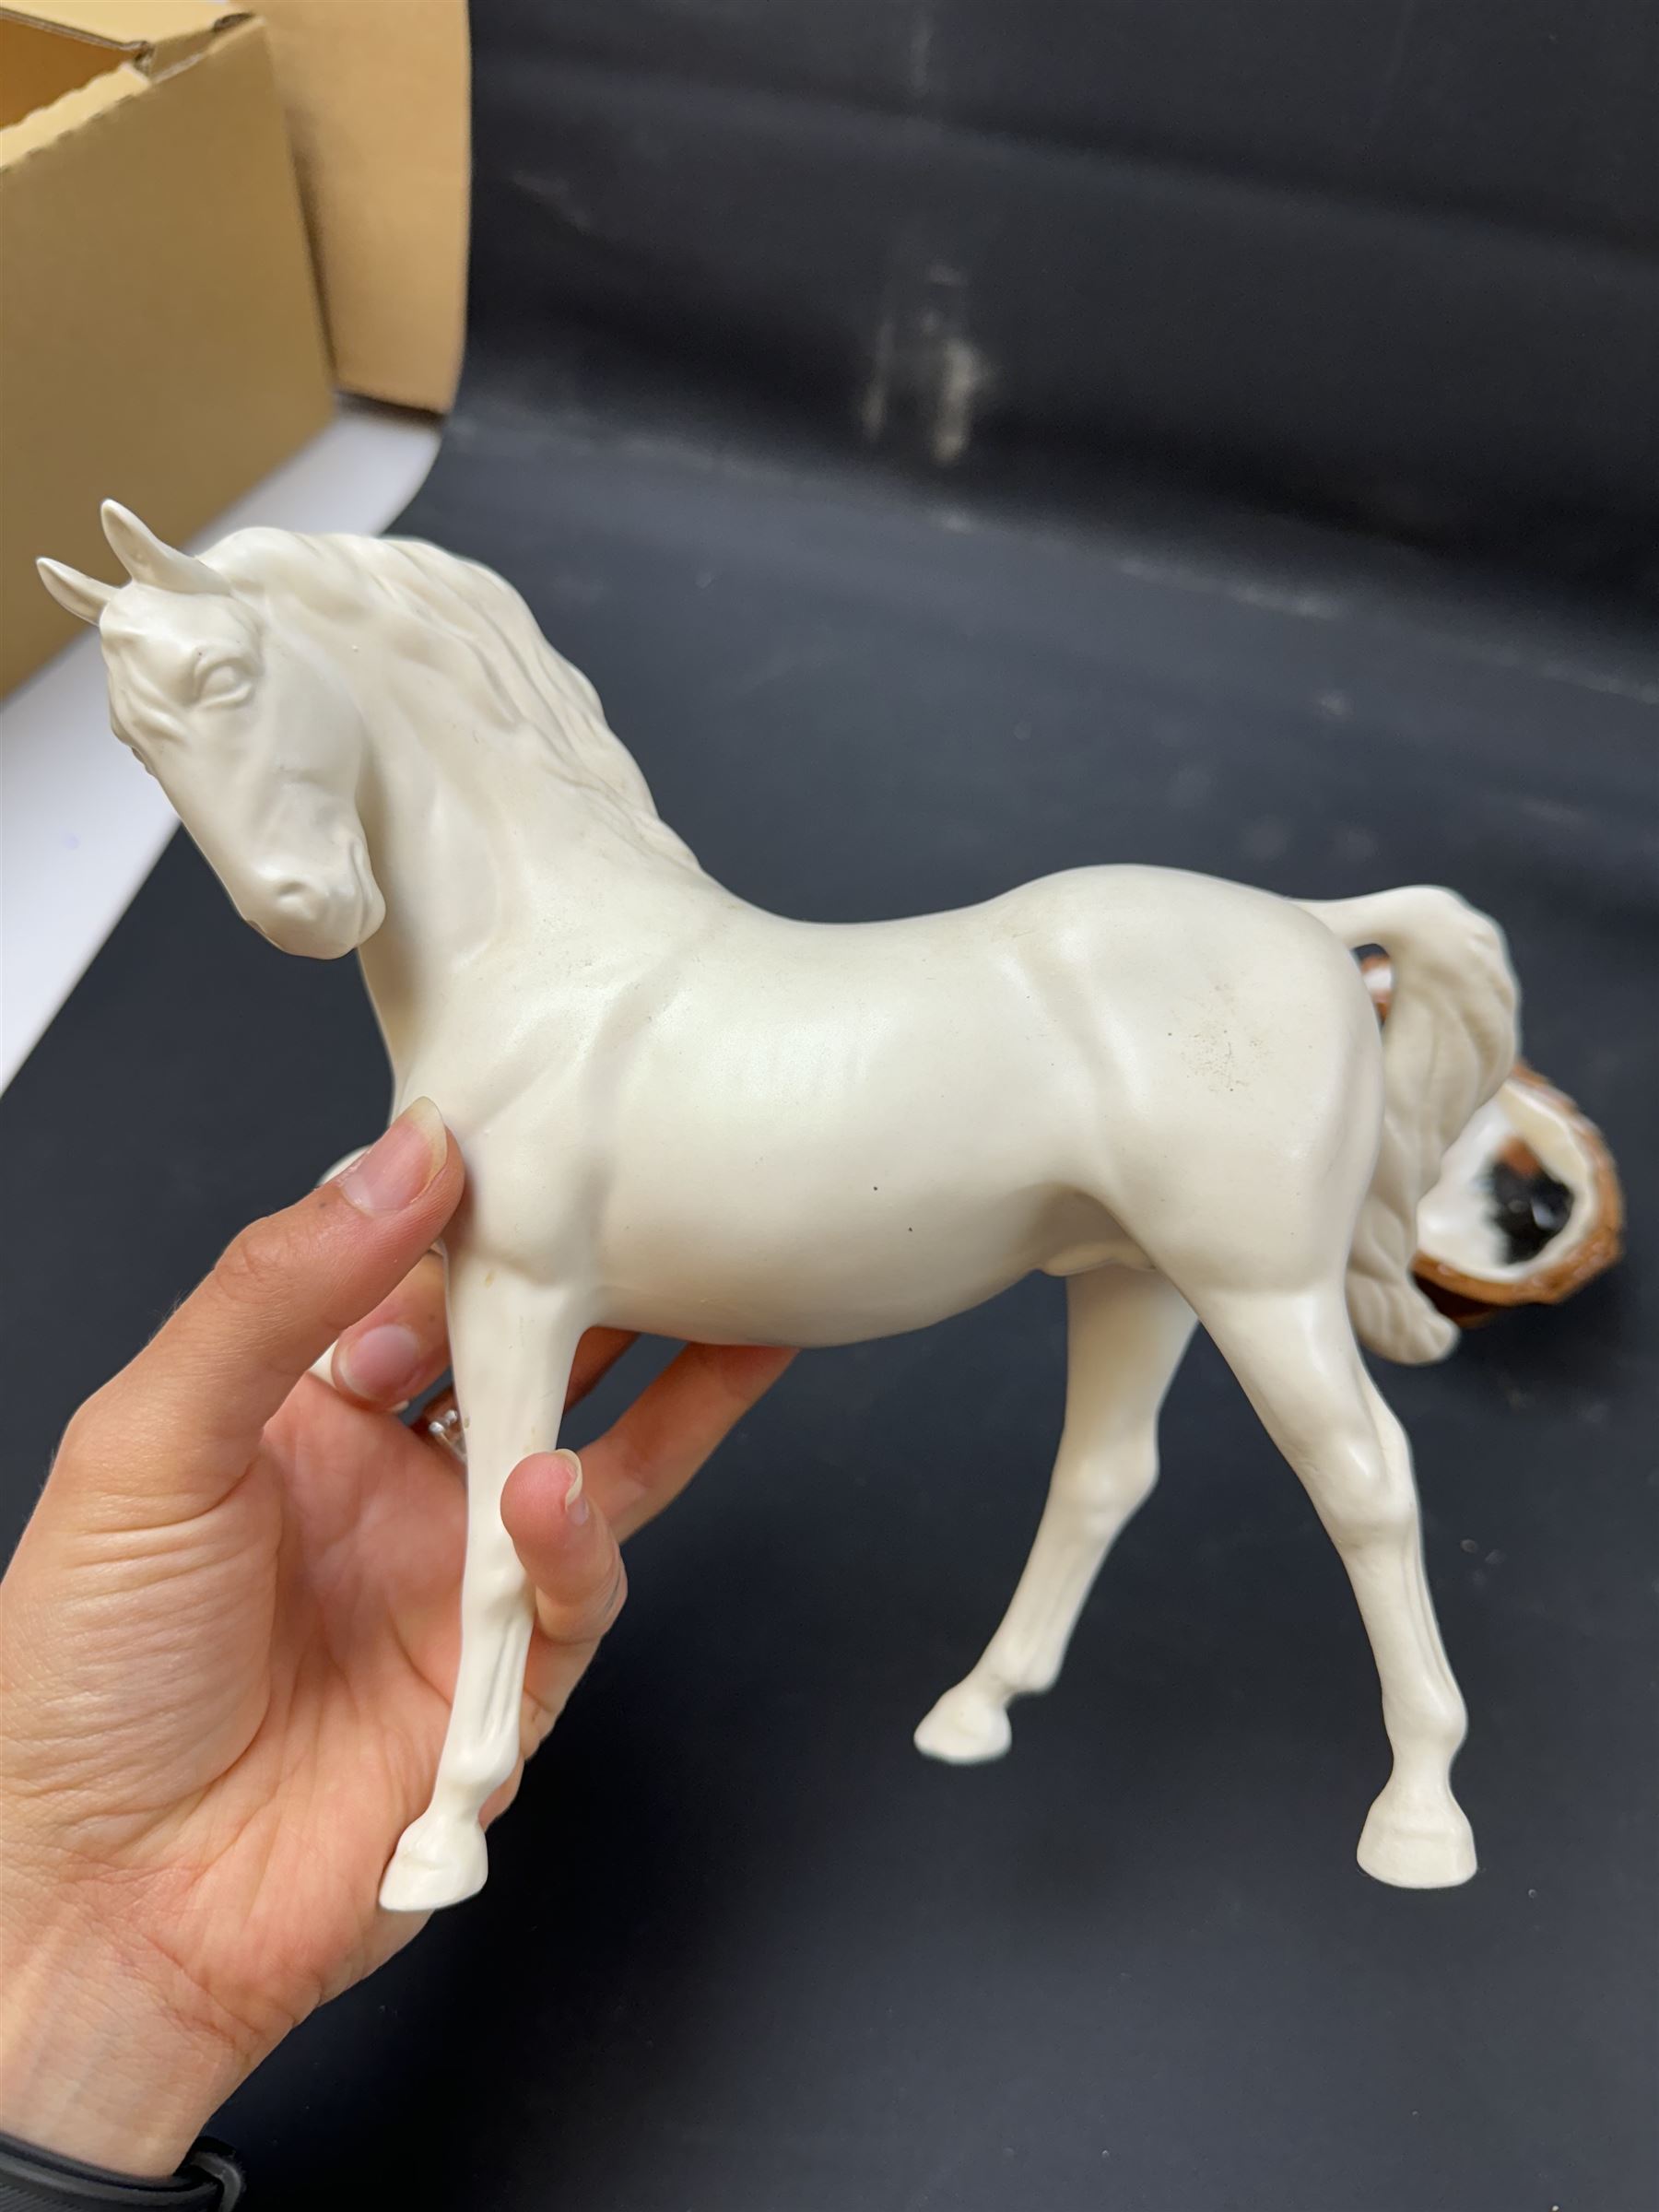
{"x":466,"y":863}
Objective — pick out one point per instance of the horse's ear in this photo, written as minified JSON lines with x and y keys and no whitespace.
{"x":84,"y":596}
{"x":150,"y":559}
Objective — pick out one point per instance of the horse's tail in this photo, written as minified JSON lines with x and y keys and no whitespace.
{"x":1450,"y":1042}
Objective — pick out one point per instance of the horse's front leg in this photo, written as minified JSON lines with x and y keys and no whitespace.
{"x":513,"y":1342}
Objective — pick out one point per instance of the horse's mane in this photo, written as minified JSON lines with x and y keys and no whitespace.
{"x":454,"y":623}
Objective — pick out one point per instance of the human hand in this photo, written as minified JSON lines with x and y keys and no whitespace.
{"x":228,"y":1641}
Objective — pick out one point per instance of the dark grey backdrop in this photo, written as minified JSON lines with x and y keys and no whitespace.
{"x":1395,"y":259}
{"x":742,"y":1950}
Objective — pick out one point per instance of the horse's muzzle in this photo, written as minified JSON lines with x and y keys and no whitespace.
{"x":318,"y":921}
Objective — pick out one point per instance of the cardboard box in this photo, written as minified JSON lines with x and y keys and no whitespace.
{"x":378,"y":100}
{"x":161,"y":341}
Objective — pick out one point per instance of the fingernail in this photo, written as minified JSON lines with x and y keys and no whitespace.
{"x":393,"y":1173}
{"x":576,"y":1504}
{"x":382,"y":1364}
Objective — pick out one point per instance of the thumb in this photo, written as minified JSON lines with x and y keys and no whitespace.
{"x":175,"y":1429}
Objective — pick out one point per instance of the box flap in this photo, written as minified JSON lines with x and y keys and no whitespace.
{"x":157,"y":34}
{"x":69,"y":111}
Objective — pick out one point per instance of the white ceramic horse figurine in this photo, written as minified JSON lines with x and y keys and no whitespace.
{"x":683,"y":1115}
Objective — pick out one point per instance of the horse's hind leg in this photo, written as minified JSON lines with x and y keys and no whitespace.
{"x":1126,"y":1334}
{"x":1295,"y":1354}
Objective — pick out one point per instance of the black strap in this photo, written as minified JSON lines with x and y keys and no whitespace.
{"x":31,"y":2179}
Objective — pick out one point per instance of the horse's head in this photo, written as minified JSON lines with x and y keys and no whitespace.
{"x":256,"y":741}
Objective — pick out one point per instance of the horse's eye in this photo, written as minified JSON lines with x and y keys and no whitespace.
{"x":221,"y":682}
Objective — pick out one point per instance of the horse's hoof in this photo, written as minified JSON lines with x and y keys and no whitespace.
{"x":967,"y":1724}
{"x":439,"y":1861}
{"x":1416,"y":1847}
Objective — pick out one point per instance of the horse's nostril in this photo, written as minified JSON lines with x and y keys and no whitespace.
{"x":290,"y":903}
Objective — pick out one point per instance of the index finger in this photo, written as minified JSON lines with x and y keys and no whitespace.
{"x":179,"y":1425}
